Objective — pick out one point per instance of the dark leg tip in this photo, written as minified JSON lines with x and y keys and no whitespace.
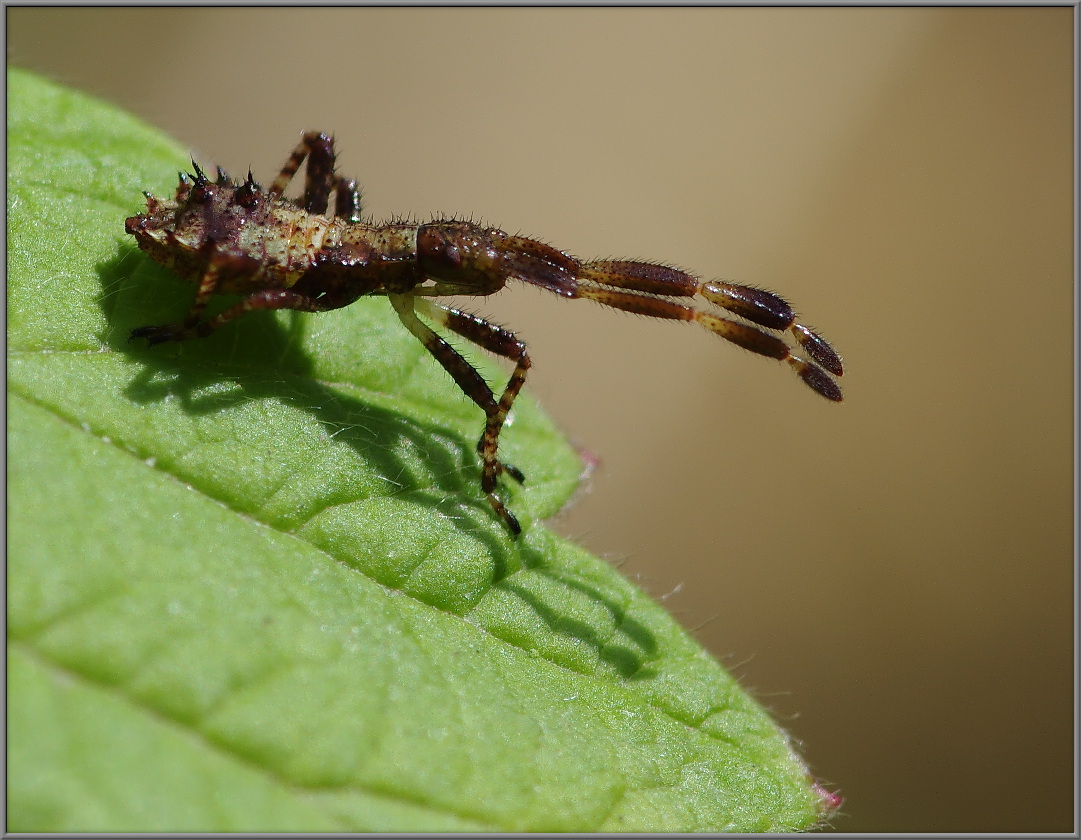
{"x":512,"y":524}
{"x":514,"y":473}
{"x":819,"y":348}
{"x":158,"y":335}
{"x":819,"y":381}
{"x":509,"y":519}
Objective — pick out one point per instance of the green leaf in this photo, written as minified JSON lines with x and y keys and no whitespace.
{"x":254,"y":585}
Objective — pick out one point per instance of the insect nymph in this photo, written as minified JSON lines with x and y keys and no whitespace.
{"x":232,"y":237}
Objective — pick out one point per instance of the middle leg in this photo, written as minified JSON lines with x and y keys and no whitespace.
{"x":471,"y":382}
{"x":502,"y":342}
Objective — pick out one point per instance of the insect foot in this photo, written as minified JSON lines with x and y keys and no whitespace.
{"x":237,"y":238}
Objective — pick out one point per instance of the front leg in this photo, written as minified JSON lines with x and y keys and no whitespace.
{"x":208,"y":285}
{"x":266,"y":299}
{"x":319,"y":178}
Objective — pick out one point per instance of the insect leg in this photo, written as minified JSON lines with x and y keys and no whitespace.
{"x":347,"y":200}
{"x":319,"y":178}
{"x":746,"y":336}
{"x":190,"y":327}
{"x":208,"y":284}
{"x":266,"y":299}
{"x":758,"y":341}
{"x":756,"y":305}
{"x":502,"y":342}
{"x":474,"y":386}
{"x":651,"y":278}
{"x":775,"y":312}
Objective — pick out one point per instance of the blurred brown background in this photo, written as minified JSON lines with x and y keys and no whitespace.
{"x":892,"y":576}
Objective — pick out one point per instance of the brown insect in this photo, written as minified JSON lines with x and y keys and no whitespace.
{"x":237,"y":238}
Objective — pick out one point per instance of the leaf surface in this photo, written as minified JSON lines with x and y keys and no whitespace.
{"x":254,"y":585}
